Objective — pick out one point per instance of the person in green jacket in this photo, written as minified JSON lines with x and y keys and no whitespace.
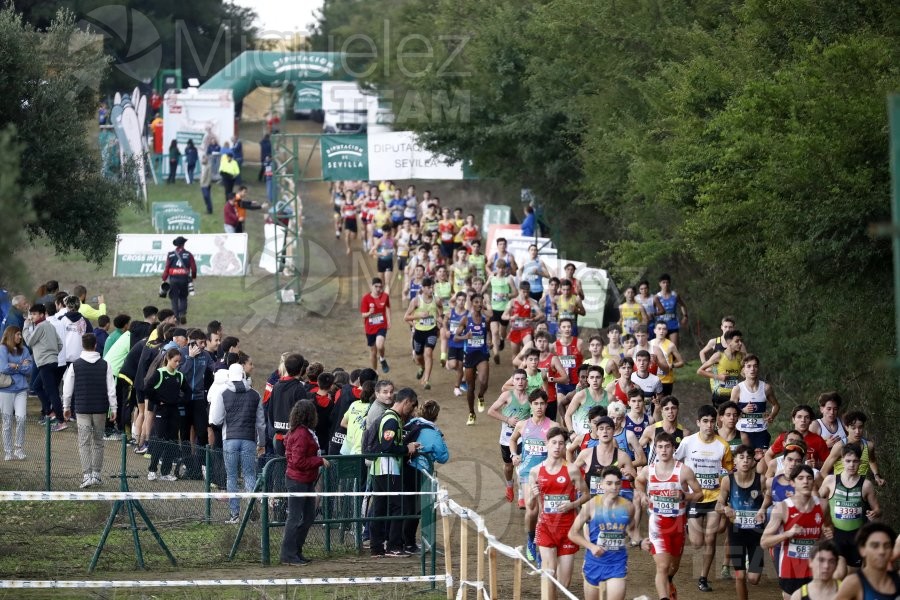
{"x":120,"y":323}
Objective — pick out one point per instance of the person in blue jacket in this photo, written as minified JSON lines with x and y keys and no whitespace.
{"x":433,"y":449}
{"x":16,"y":362}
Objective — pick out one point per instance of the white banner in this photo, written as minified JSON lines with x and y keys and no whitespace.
{"x":216,"y":254}
{"x":398,"y":155}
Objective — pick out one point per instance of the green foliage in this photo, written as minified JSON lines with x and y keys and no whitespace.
{"x":13,"y":201}
{"x":49,"y":82}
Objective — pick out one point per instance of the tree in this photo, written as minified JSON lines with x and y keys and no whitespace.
{"x":50,"y":82}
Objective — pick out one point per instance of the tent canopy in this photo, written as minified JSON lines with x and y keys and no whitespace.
{"x":258,"y":68}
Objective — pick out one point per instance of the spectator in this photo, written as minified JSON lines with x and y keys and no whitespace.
{"x":15,"y":315}
{"x":120,"y":324}
{"x":156,"y":126}
{"x":286,"y":392}
{"x":174,"y":159}
{"x":528,"y":223}
{"x":46,"y":345}
{"x":151,"y":315}
{"x":206,"y":182}
{"x":239,"y":412}
{"x":304,"y":458}
{"x":324,"y":405}
{"x":230,"y":170}
{"x":196,"y":364}
{"x":229,"y":345}
{"x":123,"y":359}
{"x":74,"y":325}
{"x":432,"y":449}
{"x":101,"y":331}
{"x":237,"y":151}
{"x":86,"y":309}
{"x":265,"y":152}
{"x":47,"y":292}
{"x":166,"y":390}
{"x":89,"y":388}
{"x":15,"y":361}
{"x":231,"y":218}
{"x":190,"y":157}
{"x":156,"y":101}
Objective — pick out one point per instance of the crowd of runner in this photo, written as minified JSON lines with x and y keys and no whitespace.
{"x":592,"y":445}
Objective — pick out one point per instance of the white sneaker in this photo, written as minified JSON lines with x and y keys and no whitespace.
{"x":151,"y":476}
{"x":19,"y":454}
{"x":96,"y":478}
{"x":7,"y":457}
{"x":169,"y":477}
{"x":457,"y":391}
{"x":87,"y":482}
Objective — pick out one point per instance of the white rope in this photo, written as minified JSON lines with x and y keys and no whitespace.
{"x":478,"y":585}
{"x":82,"y":496}
{"x":156,"y":583}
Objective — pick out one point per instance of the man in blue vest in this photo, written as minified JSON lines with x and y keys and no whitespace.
{"x":89,"y":387}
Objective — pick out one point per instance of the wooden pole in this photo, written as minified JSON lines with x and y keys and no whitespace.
{"x":448,"y":561}
{"x":492,"y":570}
{"x":517,"y":581}
{"x":480,"y":566}
{"x":464,"y":556}
{"x":546,"y":587}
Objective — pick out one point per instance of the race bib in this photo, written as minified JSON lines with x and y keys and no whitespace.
{"x":554,"y":502}
{"x":708,"y":481}
{"x":668,"y":316}
{"x":520,"y":323}
{"x":847,"y":512}
{"x":611,"y":540}
{"x":665,"y":505}
{"x":376,"y":319}
{"x":446,"y":236}
{"x":535,"y":447}
{"x":476,"y":341}
{"x":594,"y":486}
{"x":568,"y":361}
{"x":498,"y":297}
{"x":630,"y":324}
{"x":745,"y":519}
{"x":800,"y":548}
{"x":427,"y":322}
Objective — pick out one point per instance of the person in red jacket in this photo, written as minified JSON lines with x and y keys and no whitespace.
{"x":303,"y":462}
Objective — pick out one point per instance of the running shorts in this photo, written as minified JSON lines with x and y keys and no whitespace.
{"x":370,"y":337}
{"x":473,"y":359}
{"x":550,"y":536}
{"x":424,"y":339}
{"x":517,"y":336}
{"x":743,"y":551}
{"x":610,"y":565}
{"x":666,"y":535}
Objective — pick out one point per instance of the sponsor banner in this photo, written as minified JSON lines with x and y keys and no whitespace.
{"x":398,"y":155}
{"x":307,"y":96}
{"x":344,"y":157}
{"x":216,"y":254}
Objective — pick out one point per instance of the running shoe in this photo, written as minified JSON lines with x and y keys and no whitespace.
{"x":703,"y":585}
{"x":510,"y":493}
{"x":61,"y":426}
{"x":464,"y":386}
{"x":502,"y":344}
{"x":112,"y":437}
{"x":496,"y":358}
{"x":234,"y":519}
{"x":471,"y":420}
{"x":169,"y":477}
{"x":481,"y":404}
{"x":396,"y":553}
{"x":19,"y":454}
{"x":384,"y":366}
{"x":521,"y":503}
{"x":443,"y":362}
{"x":419,"y":373}
{"x":673,"y":593}
{"x":457,"y":392}
{"x":530,"y":550}
{"x":300,"y":562}
{"x":151,"y":475}
{"x":726,"y":572}
{"x":86,"y":482}
{"x":427,"y":385}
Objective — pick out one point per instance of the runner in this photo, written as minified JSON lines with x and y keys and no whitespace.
{"x":631,"y":313}
{"x":477,"y":260}
{"x":447,"y":231}
{"x":817,"y":450}
{"x":855,"y":422}
{"x":569,"y":304}
{"x":795,"y":526}
{"x":753,"y":397}
{"x":521,"y":313}
{"x":349,"y":214}
{"x":403,"y":238}
{"x":663,"y":487}
{"x":506,"y":257}
{"x":533,"y":434}
{"x":460,"y":271}
{"x":876,"y":580}
{"x":424,"y":313}
{"x":668,"y":408}
{"x":648,"y":302}
{"x":568,"y":349}
{"x":822,"y":562}
{"x":501,"y":290}
{"x":456,"y":350}
{"x":569,"y":273}
{"x":605,"y":453}
{"x":779,"y":487}
{"x":413,"y":284}
{"x":375,"y":308}
{"x":829,"y":426}
{"x":549,"y":307}
{"x":741,"y":502}
{"x":533,"y":271}
{"x":588,"y":440}
{"x":557,"y":494}
{"x":607,"y":517}
{"x":383,"y":248}
{"x":627,"y":442}
{"x":708,"y":456}
{"x":668,"y":358}
{"x":337,"y":201}
{"x":511,"y":407}
{"x":636,"y":420}
{"x":727,"y":430}
{"x":620,"y":387}
{"x":717,"y":344}
{"x":723,"y":369}
{"x":411,"y":209}
{"x":849,"y":495}
{"x":648,"y":383}
{"x":667,"y":304}
{"x":594,"y":395}
{"x":553,"y":371}
{"x":470,"y":233}
{"x":473,"y":330}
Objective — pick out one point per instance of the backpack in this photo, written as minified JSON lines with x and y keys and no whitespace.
{"x":372,"y":435}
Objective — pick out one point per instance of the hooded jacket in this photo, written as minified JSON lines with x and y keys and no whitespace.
{"x":74,"y":325}
{"x":44,"y":342}
{"x":239,"y":411}
{"x":198,"y":371}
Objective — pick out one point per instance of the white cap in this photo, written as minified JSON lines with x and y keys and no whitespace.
{"x":235,"y":372}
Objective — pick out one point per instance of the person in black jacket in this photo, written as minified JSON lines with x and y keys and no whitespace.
{"x":287,"y":392}
{"x":88,"y":387}
{"x":125,"y":399}
{"x":348,"y":394}
{"x":196,"y":364}
{"x":165,"y":392}
{"x":150,"y":350}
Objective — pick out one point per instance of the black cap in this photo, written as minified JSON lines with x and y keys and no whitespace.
{"x":179,"y":241}
{"x":179,"y":331}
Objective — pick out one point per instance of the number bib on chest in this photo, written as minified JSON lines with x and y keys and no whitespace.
{"x":376,"y":319}
{"x":847,"y":511}
{"x":554,"y":502}
{"x":745,"y":519}
{"x":800,"y":548}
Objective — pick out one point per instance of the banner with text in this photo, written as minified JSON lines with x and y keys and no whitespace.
{"x":216,"y":254}
{"x":307,"y":95}
{"x":395,"y":155}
